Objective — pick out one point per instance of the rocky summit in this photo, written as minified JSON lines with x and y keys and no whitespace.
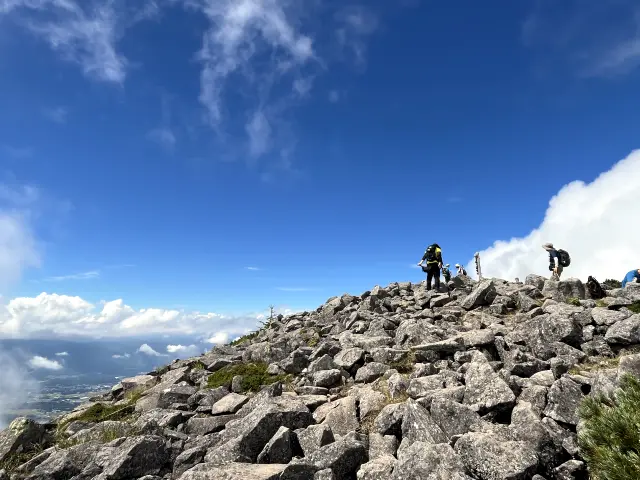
{"x":480,"y":382}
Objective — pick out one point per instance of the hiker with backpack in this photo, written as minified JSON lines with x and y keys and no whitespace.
{"x":633,"y":275}
{"x":461,"y":270}
{"x":433,"y":257}
{"x":446,"y":273}
{"x":558,"y":259}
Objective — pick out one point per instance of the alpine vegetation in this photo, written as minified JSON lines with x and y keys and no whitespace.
{"x":483,"y":380}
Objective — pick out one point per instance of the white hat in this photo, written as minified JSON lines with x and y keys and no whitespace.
{"x":457,"y":265}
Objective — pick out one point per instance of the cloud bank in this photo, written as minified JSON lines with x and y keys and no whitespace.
{"x":44,"y":363}
{"x":68,"y":316}
{"x":15,"y":387}
{"x":597,"y":223}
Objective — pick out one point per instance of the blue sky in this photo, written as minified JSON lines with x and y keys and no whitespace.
{"x":201,"y":156}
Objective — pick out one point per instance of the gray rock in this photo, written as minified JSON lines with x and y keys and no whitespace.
{"x":562,"y":364}
{"x":139,"y":382}
{"x":327,"y":378}
{"x":314,"y":437}
{"x":452,"y":417}
{"x":325,"y":474}
{"x":422,"y":461}
{"x":625,"y":332}
{"x":340,"y":415}
{"x":297,"y":361}
{"x":489,"y":458}
{"x":65,"y":463}
{"x":135,"y":457}
{"x":536,"y":396}
{"x":248,"y":436}
{"x":604,"y":316}
{"x":234,"y":471}
{"x":571,"y":470}
{"x":483,"y":294}
{"x":485,"y":389}
{"x":21,"y":435}
{"x":188,"y":459}
{"x":370,"y":372}
{"x":398,"y":385}
{"x":279,"y":449}
{"x":323,"y":363}
{"x":229,"y":404}
{"x":419,"y":387}
{"x":380,"y":445}
{"x":380,"y":467}
{"x":563,"y":399}
{"x":343,"y":457}
{"x":207,"y":397}
{"x":389,"y":420}
{"x":418,"y":426}
{"x":175,"y":394}
{"x":207,"y":425}
{"x":349,"y":358}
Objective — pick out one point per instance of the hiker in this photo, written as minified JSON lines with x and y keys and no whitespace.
{"x":433,"y":257}
{"x":558,"y":259}
{"x":478,"y":269}
{"x":460,"y":269}
{"x":633,"y":275}
{"x":446,"y":273}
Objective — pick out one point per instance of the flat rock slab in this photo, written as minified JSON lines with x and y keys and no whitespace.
{"x":234,"y":471}
{"x":230,"y":403}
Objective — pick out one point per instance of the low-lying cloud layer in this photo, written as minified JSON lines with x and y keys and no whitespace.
{"x":16,"y":385}
{"x":64,"y":316}
{"x":597,"y":223}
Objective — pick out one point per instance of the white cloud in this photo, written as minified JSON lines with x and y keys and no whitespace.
{"x":18,"y":249}
{"x":220,"y":338}
{"x":334,"y":96}
{"x":75,"y":276}
{"x":253,"y":269}
{"x":259,"y":132}
{"x":44,"y":363}
{"x":17,"y":385}
{"x":62,"y":354}
{"x":56,"y":115}
{"x":596,"y":223}
{"x":63,"y":315}
{"x":355,"y":24}
{"x":184,"y":351}
{"x":118,"y":356}
{"x":163,"y":136}
{"x":147,"y":350}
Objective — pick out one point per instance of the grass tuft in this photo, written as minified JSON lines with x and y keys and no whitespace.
{"x":244,"y":339}
{"x":406,"y":364}
{"x":634,"y":307}
{"x":254,"y":376}
{"x":573,"y":301}
{"x":610,"y":439}
{"x":198,"y":366}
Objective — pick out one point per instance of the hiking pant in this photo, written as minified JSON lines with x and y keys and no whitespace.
{"x":556,"y":277}
{"x":433,"y":272}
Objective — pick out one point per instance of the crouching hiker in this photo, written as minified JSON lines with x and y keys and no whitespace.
{"x":558,"y":259}
{"x":460,"y":269}
{"x":633,"y":275}
{"x":433,"y":257}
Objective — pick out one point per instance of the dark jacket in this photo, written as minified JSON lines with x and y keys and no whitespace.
{"x":438,"y":255}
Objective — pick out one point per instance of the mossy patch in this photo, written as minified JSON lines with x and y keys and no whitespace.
{"x":254,"y":376}
{"x":573,"y":301}
{"x":603,"y":363}
{"x":612,"y":283}
{"x":198,"y":366}
{"x":610,"y":438}
{"x":406,"y":364}
{"x":601,"y":303}
{"x":634,"y":307}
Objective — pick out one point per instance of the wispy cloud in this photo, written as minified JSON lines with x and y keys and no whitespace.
{"x":56,"y":114}
{"x":253,"y":269}
{"x":593,"y":39}
{"x":16,"y":153}
{"x":334,"y":96}
{"x":148,"y":350}
{"x":75,"y":276}
{"x":356,"y":23}
{"x":163,"y":136}
{"x":62,"y":354}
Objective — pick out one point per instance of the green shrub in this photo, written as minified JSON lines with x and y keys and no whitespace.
{"x":634,"y":307}
{"x":611,"y":283}
{"x":103,"y":411}
{"x":245,"y":338}
{"x":573,"y":301}
{"x":610,"y":439}
{"x":254,"y":375}
{"x":198,"y":366}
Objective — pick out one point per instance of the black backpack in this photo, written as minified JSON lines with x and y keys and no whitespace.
{"x":595,"y":290}
{"x":563,"y":258}
{"x":431,"y":253}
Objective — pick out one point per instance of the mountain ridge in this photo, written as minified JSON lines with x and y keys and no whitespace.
{"x":481,"y":381}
